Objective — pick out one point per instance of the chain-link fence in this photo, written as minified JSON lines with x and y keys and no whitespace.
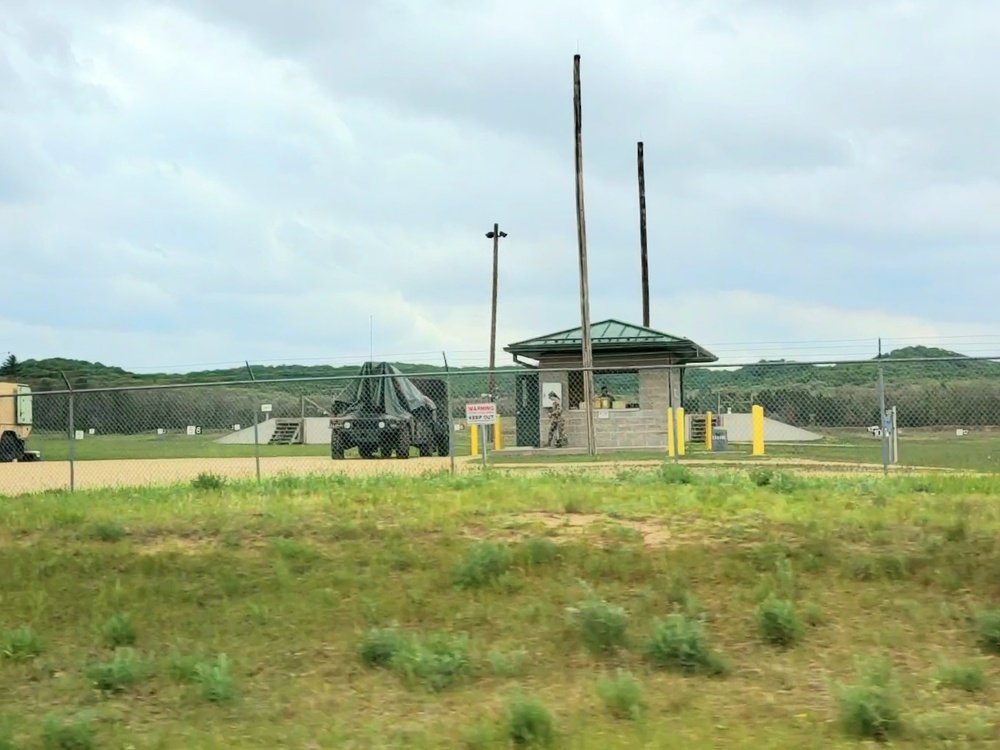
{"x":921,"y":413}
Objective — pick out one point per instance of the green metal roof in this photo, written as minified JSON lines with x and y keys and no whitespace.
{"x":616,"y":335}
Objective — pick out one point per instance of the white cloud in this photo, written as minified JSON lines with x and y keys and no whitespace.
{"x":218,"y":180}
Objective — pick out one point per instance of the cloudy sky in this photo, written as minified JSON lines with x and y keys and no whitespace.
{"x":191,"y":182}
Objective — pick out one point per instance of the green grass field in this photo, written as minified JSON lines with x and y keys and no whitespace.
{"x":101,"y":447}
{"x":656,"y":609}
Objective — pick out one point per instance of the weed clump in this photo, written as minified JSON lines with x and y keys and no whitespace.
{"x":602,"y":626}
{"x":678,"y":643}
{"x":117,"y":675}
{"x":671,"y":473}
{"x":539,"y":551}
{"x":216,"y":680}
{"x":208,"y":481}
{"x":437,"y":662}
{"x":778,"y":623}
{"x":529,"y":723}
{"x":380,"y":647}
{"x":775,"y":480}
{"x":107,"y":531}
{"x":182,"y":667}
{"x":968,"y":677}
{"x":20,"y":644}
{"x":507,"y":664}
{"x":69,"y":734}
{"x":988,"y":630}
{"x":870,"y":708}
{"x":622,"y":695}
{"x":485,"y":563}
{"x":119,"y":631}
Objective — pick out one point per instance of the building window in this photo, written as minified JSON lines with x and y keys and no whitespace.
{"x":574,"y":389}
{"x":621,"y":385}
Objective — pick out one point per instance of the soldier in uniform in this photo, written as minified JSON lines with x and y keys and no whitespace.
{"x":556,"y":422}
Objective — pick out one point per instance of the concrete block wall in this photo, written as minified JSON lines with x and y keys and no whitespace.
{"x":622,"y":428}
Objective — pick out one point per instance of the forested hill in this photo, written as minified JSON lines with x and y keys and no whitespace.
{"x":44,"y":374}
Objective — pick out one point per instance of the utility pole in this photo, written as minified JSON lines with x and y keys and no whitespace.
{"x":495,"y":235}
{"x":642,"y":238}
{"x":581,"y":233}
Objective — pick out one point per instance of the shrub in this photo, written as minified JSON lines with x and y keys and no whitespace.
{"x":778,"y":622}
{"x":380,"y":647}
{"x":622,"y":695}
{"x":988,"y":630}
{"x":69,"y":734}
{"x":968,"y":677}
{"x":436,"y":662}
{"x":120,"y":673}
{"x":216,"y":680}
{"x":208,"y":481}
{"x":602,"y":626}
{"x":119,"y":631}
{"x":870,"y":708}
{"x":678,"y":643}
{"x":529,"y":723}
{"x":762,"y":477}
{"x":484,"y":564}
{"x":21,"y":644}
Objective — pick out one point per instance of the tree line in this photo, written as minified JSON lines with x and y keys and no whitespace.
{"x":951,"y":403}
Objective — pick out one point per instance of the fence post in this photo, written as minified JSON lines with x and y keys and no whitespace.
{"x":883,"y":421}
{"x":681,"y":431}
{"x":451,"y":414}
{"x":71,"y":435}
{"x":757,"y":422}
{"x":672,"y":449}
{"x":256,"y":423}
{"x":895,"y":438}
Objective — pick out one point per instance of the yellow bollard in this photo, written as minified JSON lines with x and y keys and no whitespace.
{"x":474,"y":437}
{"x":708,"y":431}
{"x":498,"y":435}
{"x":681,"y":431}
{"x":670,"y":431}
{"x":758,"y":430}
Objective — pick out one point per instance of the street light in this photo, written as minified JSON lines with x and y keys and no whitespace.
{"x":495,"y":235}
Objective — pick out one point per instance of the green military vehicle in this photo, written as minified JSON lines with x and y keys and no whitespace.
{"x":382,"y":412}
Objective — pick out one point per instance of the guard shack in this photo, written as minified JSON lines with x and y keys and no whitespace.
{"x":639,"y":366}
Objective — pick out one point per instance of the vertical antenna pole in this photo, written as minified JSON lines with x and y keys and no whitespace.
{"x":643,"y":254}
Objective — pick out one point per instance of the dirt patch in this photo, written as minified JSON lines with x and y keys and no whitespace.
{"x":653,"y":534}
{"x":179,"y":545}
{"x":21,"y":478}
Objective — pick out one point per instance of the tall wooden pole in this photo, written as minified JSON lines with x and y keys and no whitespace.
{"x":495,"y":235}
{"x":642,"y":239}
{"x":581,"y":233}
{"x":493,"y":315}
